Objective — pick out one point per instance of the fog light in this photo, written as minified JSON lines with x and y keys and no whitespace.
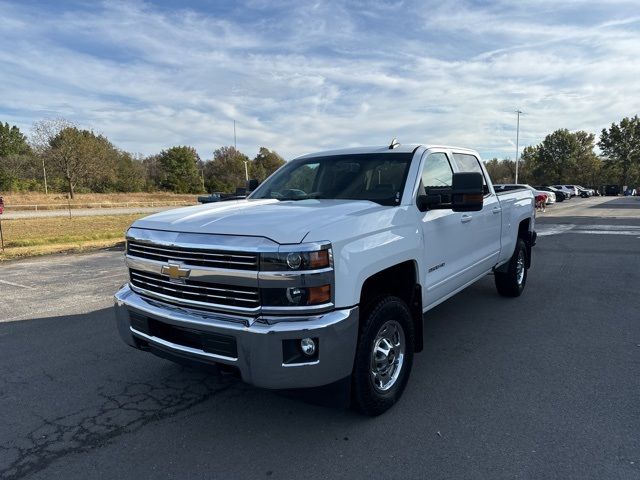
{"x":294,"y":260}
{"x":308,"y":346}
{"x":294,"y":295}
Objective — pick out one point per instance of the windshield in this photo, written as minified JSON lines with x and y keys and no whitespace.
{"x":378,"y":177}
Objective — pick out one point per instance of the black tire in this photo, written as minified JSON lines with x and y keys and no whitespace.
{"x":511,"y":282}
{"x":369,"y":398}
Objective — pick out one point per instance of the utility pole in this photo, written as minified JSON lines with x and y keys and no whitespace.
{"x":44,"y":174}
{"x":1,"y":212}
{"x":517,"y":142}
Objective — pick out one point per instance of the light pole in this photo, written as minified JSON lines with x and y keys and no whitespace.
{"x":246,"y":170}
{"x":517,"y":141}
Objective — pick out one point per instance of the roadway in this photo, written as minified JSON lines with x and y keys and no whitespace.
{"x":543,"y":386}
{"x":81,"y":212}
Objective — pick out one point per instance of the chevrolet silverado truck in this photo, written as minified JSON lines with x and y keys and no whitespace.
{"x":324,"y":273}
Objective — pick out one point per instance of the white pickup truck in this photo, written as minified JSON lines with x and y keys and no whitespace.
{"x":325,"y":272}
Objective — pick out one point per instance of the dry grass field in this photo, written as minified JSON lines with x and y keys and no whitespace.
{"x":39,"y":236}
{"x":22,"y":201}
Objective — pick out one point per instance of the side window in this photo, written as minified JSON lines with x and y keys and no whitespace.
{"x":469,"y":163}
{"x":437,"y":171}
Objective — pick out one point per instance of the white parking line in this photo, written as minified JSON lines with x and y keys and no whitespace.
{"x":553,"y":229}
{"x":16,"y":285}
{"x":604,"y":232}
{"x":544,"y":230}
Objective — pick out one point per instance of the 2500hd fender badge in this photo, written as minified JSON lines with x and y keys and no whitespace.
{"x":434,"y":268}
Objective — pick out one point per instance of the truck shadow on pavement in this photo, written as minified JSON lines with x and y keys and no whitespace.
{"x":68,"y":385}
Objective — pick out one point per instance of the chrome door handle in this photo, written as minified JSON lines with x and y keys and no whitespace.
{"x":466,"y":218}
{"x":496,"y":210}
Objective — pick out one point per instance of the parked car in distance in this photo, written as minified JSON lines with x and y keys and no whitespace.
{"x":569,"y":191}
{"x":504,"y":187}
{"x":612,"y":190}
{"x":211,"y":198}
{"x":221,"y":197}
{"x":584,"y":192}
{"x":560,"y":195}
{"x":239,"y":194}
{"x":575,"y":190}
{"x":589,"y":190}
{"x":630,"y":192}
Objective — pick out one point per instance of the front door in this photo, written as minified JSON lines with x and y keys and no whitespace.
{"x":443,"y":235}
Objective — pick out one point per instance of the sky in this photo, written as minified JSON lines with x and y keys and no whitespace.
{"x":301,"y":76}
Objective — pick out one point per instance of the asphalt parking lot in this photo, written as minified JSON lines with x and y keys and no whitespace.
{"x":543,"y":386}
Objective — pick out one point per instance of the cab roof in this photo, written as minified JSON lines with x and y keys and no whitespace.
{"x":400,"y":148}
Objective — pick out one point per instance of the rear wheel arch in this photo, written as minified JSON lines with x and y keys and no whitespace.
{"x":511,"y":282}
{"x":527,"y":237}
{"x":525,"y":233}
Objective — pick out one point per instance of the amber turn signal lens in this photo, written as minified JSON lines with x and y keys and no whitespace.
{"x":476,"y":198}
{"x":318,"y":295}
{"x":319,"y":259}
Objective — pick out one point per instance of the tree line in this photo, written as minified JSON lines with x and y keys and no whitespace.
{"x":62,"y":157}
{"x":566,"y":157}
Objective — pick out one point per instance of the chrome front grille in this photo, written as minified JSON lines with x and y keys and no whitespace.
{"x":196,"y":293}
{"x":194,"y":256}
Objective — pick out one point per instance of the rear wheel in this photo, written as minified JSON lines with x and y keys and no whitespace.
{"x":511,"y":282}
{"x":384,"y":356}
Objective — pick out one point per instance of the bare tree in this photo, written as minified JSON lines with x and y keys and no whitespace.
{"x":42,"y":133}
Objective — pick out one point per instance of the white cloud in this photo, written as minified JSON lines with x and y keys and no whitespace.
{"x":298,"y":77}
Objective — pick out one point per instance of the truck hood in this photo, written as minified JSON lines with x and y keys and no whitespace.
{"x":280,"y":221}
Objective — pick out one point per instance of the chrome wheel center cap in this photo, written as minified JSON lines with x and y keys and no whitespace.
{"x":387,"y":356}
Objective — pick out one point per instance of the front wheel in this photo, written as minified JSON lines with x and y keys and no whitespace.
{"x":511,"y":283}
{"x":384,"y":356}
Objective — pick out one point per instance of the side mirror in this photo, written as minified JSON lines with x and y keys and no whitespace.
{"x":467,"y":194}
{"x":428,"y":202}
{"x":252,"y":184}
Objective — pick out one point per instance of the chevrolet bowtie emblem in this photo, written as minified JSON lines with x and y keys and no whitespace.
{"x":175,"y":272}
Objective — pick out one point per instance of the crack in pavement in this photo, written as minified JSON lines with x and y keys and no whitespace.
{"x":136,"y":405}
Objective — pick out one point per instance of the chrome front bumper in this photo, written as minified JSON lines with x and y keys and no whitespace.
{"x":259,"y":340}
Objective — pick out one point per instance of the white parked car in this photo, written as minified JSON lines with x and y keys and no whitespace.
{"x":560,"y":195}
{"x":585,"y":192}
{"x":571,"y":192}
{"x":574,"y":189}
{"x":551,"y":196}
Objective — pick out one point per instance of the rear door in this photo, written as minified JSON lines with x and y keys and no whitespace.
{"x":483,"y":228}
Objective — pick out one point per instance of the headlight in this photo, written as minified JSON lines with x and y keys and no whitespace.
{"x":295,"y":260}
{"x":297,"y":276}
